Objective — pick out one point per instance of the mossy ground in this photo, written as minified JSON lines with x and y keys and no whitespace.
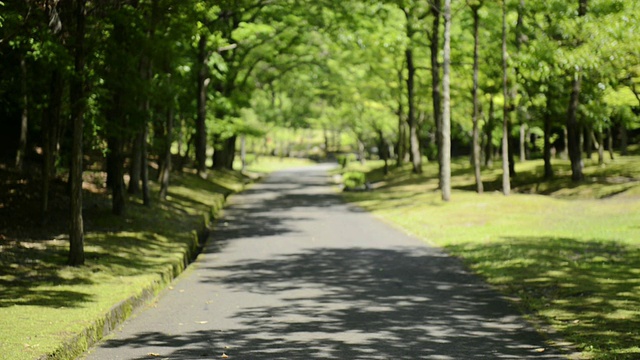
{"x":567,"y":253}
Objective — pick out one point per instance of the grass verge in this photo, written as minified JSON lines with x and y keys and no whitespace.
{"x":568,"y":254}
{"x":52,"y":311}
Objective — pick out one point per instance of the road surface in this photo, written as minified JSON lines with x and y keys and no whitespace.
{"x":291,"y":272}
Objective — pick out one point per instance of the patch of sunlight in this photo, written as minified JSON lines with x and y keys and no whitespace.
{"x":622,"y":314}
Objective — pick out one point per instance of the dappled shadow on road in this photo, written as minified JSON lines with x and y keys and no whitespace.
{"x":356,"y":303}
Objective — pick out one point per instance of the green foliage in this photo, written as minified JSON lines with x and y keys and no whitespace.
{"x":353,"y":180}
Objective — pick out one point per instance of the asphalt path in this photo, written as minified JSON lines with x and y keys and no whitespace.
{"x":292,"y":272}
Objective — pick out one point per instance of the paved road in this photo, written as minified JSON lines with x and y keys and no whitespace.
{"x":294,"y":273}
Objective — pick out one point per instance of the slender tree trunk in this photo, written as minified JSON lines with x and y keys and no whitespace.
{"x":476,"y":102}
{"x":50,"y":126}
{"x":573,"y":129}
{"x":506,"y":181}
{"x":135,"y":168}
{"x":445,"y":131}
{"x":523,"y":142}
{"x":24,"y":118}
{"x":243,"y":151}
{"x":548,"y":169}
{"x":610,"y":142}
{"x":144,"y":163}
{"x":402,"y":129}
{"x":201,"y":127}
{"x":115,"y":173}
{"x":600,"y":148}
{"x":590,"y":138}
{"x":624,"y":140}
{"x":435,"y":74}
{"x":76,"y":231}
{"x":488,"y":161}
{"x":414,"y":142}
{"x":166,"y":168}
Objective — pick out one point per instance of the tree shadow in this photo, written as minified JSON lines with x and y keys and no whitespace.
{"x":590,"y":288}
{"x":357,"y":303}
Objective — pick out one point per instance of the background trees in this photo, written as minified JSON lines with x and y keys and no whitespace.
{"x":131,"y":85}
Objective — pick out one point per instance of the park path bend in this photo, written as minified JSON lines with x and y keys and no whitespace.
{"x":292,"y":272}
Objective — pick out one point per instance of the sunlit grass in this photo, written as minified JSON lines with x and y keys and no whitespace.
{"x":266,"y":164}
{"x":568,"y":254}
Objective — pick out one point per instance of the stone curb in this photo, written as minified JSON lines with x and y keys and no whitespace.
{"x":75,"y":347}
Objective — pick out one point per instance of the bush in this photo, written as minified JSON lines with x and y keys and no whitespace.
{"x":354,"y":180}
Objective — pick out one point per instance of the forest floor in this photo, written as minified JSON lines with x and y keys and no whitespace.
{"x":50,"y":310}
{"x":567,"y":253}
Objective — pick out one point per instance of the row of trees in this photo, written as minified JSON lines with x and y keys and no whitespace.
{"x":141,"y":80}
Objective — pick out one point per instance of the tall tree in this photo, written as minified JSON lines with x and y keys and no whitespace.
{"x":445,"y":129}
{"x":77,"y":98}
{"x":475,"y":6}
{"x":506,"y":181}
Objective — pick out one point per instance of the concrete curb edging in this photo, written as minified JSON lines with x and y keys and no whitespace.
{"x":76,"y":346}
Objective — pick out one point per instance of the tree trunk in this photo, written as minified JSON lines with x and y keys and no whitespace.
{"x":76,"y":97}
{"x":201,"y":127}
{"x":548,"y":169}
{"x":589,"y":138}
{"x":506,"y":181}
{"x":445,"y":130}
{"x":24,"y":118}
{"x":135,"y":168}
{"x":414,"y":142}
{"x":610,"y":142}
{"x":115,"y":174}
{"x":243,"y":151}
{"x":50,"y":128}
{"x":523,"y":142}
{"x":624,"y":140}
{"x":144,"y":164}
{"x":573,"y":129}
{"x":166,"y":168}
{"x":475,"y":156}
{"x":435,"y":73}
{"x":488,"y":161}
{"x":402,"y":129}
{"x":600,"y":148}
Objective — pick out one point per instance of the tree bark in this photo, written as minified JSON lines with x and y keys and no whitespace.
{"x":201,"y":127}
{"x":600,"y":148}
{"x":24,"y":117}
{"x":573,"y":129}
{"x":476,"y":102}
{"x":115,"y":173}
{"x":76,"y":227}
{"x":402,"y":130}
{"x":523,"y":142}
{"x":445,"y":130}
{"x":488,"y":128}
{"x":416,"y":158}
{"x":50,"y":128}
{"x":624,"y":140}
{"x":166,"y":168}
{"x":610,"y":142}
{"x":144,"y":164}
{"x":435,"y":73}
{"x":506,"y":181}
{"x":135,"y":168}
{"x":548,"y":169}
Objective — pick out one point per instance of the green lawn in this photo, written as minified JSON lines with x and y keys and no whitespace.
{"x":568,"y":254}
{"x":45,"y":304}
